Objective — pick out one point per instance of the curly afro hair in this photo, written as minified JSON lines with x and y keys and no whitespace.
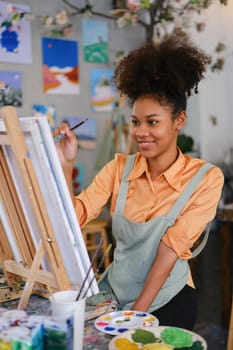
{"x":168,"y":70}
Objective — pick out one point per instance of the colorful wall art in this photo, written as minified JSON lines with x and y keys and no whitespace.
{"x":48,"y":111}
{"x":103,"y":92}
{"x":78,"y":178}
{"x":11,"y":95}
{"x":86,"y":133}
{"x":60,"y":71}
{"x":15,"y":34}
{"x":95,"y":41}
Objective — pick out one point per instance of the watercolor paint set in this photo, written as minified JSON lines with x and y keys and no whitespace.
{"x":19,"y":331}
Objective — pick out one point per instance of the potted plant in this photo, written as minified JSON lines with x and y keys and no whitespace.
{"x":185,"y":143}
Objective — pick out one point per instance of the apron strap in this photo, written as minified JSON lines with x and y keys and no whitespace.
{"x":123,"y":190}
{"x":179,"y":204}
{"x":188,"y":191}
{"x":203,"y":242}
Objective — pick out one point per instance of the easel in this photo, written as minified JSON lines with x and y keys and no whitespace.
{"x":37,"y":279}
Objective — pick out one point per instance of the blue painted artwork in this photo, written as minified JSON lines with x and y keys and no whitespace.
{"x":60,"y":66}
{"x":15,"y":35}
{"x":9,"y":39}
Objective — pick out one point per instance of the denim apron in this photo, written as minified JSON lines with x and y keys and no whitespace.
{"x":136,"y":247}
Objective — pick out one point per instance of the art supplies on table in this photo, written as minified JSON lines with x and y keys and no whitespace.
{"x":118,"y":322}
{"x":158,"y":338}
{"x":18,"y":331}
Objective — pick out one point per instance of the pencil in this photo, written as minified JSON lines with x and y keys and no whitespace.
{"x":60,"y":137}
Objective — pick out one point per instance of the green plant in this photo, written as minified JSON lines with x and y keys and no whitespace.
{"x":185,"y":143}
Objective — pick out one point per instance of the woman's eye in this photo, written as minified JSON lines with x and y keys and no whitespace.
{"x":152,"y":122}
{"x":134,"y":122}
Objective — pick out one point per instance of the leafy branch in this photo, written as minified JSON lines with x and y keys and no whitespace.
{"x":157,"y":17}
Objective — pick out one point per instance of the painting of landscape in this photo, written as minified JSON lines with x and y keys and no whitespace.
{"x":48,"y":111}
{"x":60,"y":72}
{"x":11,"y":95}
{"x":95,"y":41}
{"x":103,"y":92}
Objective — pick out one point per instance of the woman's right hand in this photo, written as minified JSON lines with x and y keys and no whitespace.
{"x":66,"y":147}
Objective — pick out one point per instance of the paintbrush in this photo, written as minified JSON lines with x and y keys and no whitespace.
{"x":89,"y":270}
{"x":98,"y":269}
{"x":60,"y":137}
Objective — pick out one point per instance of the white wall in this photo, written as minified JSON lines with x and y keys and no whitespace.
{"x":215,"y":96}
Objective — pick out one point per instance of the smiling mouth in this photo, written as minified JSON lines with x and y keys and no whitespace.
{"x":145,"y":142}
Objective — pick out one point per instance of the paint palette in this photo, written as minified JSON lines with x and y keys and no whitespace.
{"x":118,"y":322}
{"x":165,"y":338}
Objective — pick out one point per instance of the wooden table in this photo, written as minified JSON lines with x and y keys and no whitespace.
{"x":93,"y":339}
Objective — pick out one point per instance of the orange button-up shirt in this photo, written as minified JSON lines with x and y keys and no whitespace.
{"x":147,"y":199}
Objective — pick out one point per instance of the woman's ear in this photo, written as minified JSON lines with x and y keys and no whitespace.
{"x":180,"y":120}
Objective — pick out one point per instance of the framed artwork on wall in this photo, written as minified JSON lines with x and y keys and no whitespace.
{"x":103,"y":92}
{"x":78,"y":178}
{"x":15,"y":36}
{"x":49,"y":111}
{"x":60,"y":71}
{"x":12,"y":94}
{"x":95,"y":41}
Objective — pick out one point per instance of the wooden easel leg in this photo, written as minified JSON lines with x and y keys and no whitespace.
{"x":31,"y":277}
{"x":230,"y":330}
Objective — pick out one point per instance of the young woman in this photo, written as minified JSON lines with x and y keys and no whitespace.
{"x":154,"y":233}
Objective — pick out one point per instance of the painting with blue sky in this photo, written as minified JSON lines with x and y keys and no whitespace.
{"x":47,"y":111}
{"x":60,"y":66}
{"x":95,"y":41}
{"x":86,"y":133}
{"x":12,"y":93}
{"x":103,"y":92}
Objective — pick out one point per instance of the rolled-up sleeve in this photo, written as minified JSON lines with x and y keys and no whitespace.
{"x":91,"y":201}
{"x":200,"y":209}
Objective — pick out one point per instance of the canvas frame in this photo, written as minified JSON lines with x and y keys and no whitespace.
{"x":41,"y":158}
